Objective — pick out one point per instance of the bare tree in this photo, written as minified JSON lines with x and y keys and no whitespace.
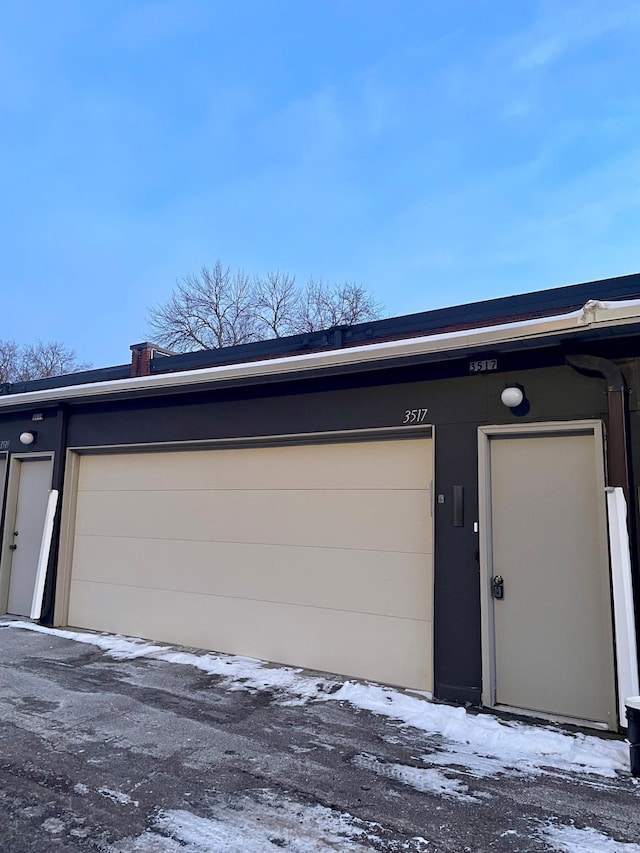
{"x":277,"y":304}
{"x":9,"y":361}
{"x":213,"y":308}
{"x":217,"y":308}
{"x":21,"y":362}
{"x":322,"y":306}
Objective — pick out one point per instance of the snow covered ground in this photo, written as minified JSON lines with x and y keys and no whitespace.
{"x":491,"y":745}
{"x":470,"y":746}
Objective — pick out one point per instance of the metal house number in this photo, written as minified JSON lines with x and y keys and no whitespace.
{"x":414,"y":416}
{"x":484,"y":365}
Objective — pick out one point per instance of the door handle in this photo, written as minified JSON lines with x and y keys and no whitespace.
{"x":12,"y":547}
{"x":498,"y":586}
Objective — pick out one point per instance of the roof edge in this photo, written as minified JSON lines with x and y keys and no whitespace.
{"x":594,"y":314}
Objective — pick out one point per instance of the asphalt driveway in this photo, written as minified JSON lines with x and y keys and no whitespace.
{"x":148,"y":755}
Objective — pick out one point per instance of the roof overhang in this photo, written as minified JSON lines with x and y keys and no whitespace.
{"x":603,"y":318}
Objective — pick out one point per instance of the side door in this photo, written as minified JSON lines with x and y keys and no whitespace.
{"x":27,"y":496}
{"x":547,"y":573}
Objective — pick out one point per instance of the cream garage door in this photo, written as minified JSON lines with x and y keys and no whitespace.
{"x":312,"y":555}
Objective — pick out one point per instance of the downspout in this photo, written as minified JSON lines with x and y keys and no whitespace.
{"x":618,"y":476}
{"x":617,"y":461}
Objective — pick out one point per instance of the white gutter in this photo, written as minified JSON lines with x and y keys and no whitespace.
{"x":594,"y":314}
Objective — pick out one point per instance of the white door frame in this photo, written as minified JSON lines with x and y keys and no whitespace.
{"x":6,"y":554}
{"x":4,"y":470}
{"x":485,"y":434}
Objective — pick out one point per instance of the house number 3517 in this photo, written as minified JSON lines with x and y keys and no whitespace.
{"x":414,"y":416}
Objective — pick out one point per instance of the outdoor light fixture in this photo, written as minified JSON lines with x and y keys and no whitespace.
{"x":512,"y":396}
{"x":27,"y":437}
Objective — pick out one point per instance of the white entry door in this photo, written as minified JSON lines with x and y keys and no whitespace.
{"x":26,"y":531}
{"x":549,"y":576}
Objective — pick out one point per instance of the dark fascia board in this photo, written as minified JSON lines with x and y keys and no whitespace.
{"x":525,"y":306}
{"x":103,"y":374}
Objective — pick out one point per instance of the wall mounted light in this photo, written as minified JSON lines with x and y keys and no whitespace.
{"x":27,"y":437}
{"x":512,"y":396}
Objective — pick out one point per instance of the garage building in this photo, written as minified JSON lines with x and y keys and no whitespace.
{"x":423,"y":501}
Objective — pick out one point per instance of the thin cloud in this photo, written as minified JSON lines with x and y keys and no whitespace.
{"x":562,"y":28}
{"x":541,"y":54}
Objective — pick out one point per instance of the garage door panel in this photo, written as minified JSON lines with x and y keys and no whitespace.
{"x":317,"y":556}
{"x":367,"y":582}
{"x":365,"y":465}
{"x":362,"y":645}
{"x":378,"y":520}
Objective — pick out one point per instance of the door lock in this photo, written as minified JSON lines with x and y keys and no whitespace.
{"x":498,"y":586}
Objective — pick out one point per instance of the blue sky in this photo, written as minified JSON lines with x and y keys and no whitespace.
{"x":436,"y":153}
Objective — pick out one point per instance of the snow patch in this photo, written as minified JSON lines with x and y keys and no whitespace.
{"x":569,"y":839}
{"x":117,"y":796}
{"x":262,"y":821}
{"x":54,"y":825}
{"x":485,"y":745}
{"x":425,"y":780}
{"x":150,"y":842}
{"x":240,"y":673}
{"x":79,"y":832}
